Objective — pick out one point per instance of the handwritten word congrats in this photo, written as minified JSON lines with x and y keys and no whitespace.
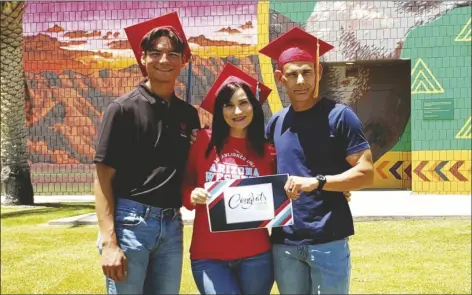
{"x":246,"y":202}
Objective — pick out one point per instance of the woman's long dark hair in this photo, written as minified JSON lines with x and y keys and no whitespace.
{"x":220,"y":129}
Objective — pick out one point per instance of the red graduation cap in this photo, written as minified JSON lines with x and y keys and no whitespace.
{"x":231,"y":74}
{"x":136,"y":33}
{"x":295,"y":45}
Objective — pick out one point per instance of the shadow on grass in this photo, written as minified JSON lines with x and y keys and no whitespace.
{"x":47,"y":208}
{"x":43,"y":212}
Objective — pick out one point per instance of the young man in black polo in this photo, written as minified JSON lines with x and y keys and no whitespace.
{"x":322,"y":146}
{"x":140,"y":155}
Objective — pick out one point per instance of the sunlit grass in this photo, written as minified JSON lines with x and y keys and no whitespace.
{"x":403,"y":257}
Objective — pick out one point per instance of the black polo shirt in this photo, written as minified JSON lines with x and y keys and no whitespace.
{"x":147,"y":140}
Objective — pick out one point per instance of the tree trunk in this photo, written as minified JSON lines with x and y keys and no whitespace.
{"x":15,"y":172}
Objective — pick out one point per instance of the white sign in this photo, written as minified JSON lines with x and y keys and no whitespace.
{"x":249,"y":203}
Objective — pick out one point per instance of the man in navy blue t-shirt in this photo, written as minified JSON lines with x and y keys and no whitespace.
{"x":322,"y":146}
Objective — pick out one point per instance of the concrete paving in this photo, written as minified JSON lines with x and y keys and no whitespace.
{"x":365,"y":205}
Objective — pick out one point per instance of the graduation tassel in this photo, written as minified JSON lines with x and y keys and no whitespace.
{"x":258,"y":91}
{"x":317,"y":69}
{"x":189,"y":81}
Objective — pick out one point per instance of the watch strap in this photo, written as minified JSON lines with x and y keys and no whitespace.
{"x":321,"y":182}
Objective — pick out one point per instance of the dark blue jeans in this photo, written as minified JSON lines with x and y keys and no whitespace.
{"x":251,"y":275}
{"x":152,"y":241}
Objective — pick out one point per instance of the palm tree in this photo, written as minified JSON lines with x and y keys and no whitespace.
{"x":15,"y":171}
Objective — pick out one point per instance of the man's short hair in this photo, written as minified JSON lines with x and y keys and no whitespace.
{"x":147,"y":43}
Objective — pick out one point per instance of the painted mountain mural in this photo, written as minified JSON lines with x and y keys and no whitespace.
{"x":74,"y":69}
{"x":77,"y":60}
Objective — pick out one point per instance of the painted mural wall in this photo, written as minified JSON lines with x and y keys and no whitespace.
{"x":77,"y":60}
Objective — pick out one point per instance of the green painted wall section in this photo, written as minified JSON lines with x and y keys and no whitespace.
{"x":449,"y":61}
{"x":404,"y":144}
{"x":298,"y":11}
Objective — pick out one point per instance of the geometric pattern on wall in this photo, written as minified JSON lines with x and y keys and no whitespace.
{"x":443,"y":172}
{"x":424,"y":81}
{"x":466,"y":130}
{"x":465,"y":34}
{"x":393,"y":170}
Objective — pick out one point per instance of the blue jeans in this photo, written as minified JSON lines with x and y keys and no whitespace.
{"x":313,"y":269}
{"x":251,"y":275}
{"x":152,"y":241}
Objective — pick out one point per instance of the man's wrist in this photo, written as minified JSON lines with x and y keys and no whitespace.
{"x":109,"y":243}
{"x":315,"y":184}
{"x":321,"y":180}
{"x":109,"y":240}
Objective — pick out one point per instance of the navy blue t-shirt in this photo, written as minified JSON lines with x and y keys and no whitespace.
{"x":308,"y":143}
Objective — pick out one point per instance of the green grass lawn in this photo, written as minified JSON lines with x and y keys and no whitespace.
{"x":403,"y":257}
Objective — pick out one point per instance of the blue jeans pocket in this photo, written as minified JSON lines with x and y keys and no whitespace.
{"x":126,"y":217}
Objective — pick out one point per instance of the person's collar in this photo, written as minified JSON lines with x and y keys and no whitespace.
{"x":152,"y":97}
{"x":316,"y":106}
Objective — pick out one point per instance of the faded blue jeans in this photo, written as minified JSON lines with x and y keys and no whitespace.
{"x":251,"y":275}
{"x":313,"y":269}
{"x":152,"y":241}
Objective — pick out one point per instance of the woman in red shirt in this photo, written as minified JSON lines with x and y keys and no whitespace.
{"x":234,"y":262}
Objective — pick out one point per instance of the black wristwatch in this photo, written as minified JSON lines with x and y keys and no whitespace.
{"x":321,"y":182}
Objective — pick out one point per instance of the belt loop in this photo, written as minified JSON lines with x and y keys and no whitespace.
{"x":166,"y":213}
{"x":176,"y":213}
{"x":146,"y":214}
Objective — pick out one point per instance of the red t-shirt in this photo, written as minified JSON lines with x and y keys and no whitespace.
{"x":200,"y":169}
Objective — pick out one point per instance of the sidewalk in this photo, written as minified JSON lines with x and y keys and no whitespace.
{"x":364,"y":205}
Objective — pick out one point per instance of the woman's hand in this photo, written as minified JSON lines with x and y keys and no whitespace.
{"x":199,"y":196}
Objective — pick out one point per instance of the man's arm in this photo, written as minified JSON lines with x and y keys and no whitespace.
{"x":189,"y":181}
{"x":111,"y":140}
{"x":358,"y":155}
{"x":107,"y":155}
{"x":195,"y":126}
{"x":196,"y":120}
{"x":105,"y":203}
{"x":114,"y":263}
{"x":361,"y":174}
